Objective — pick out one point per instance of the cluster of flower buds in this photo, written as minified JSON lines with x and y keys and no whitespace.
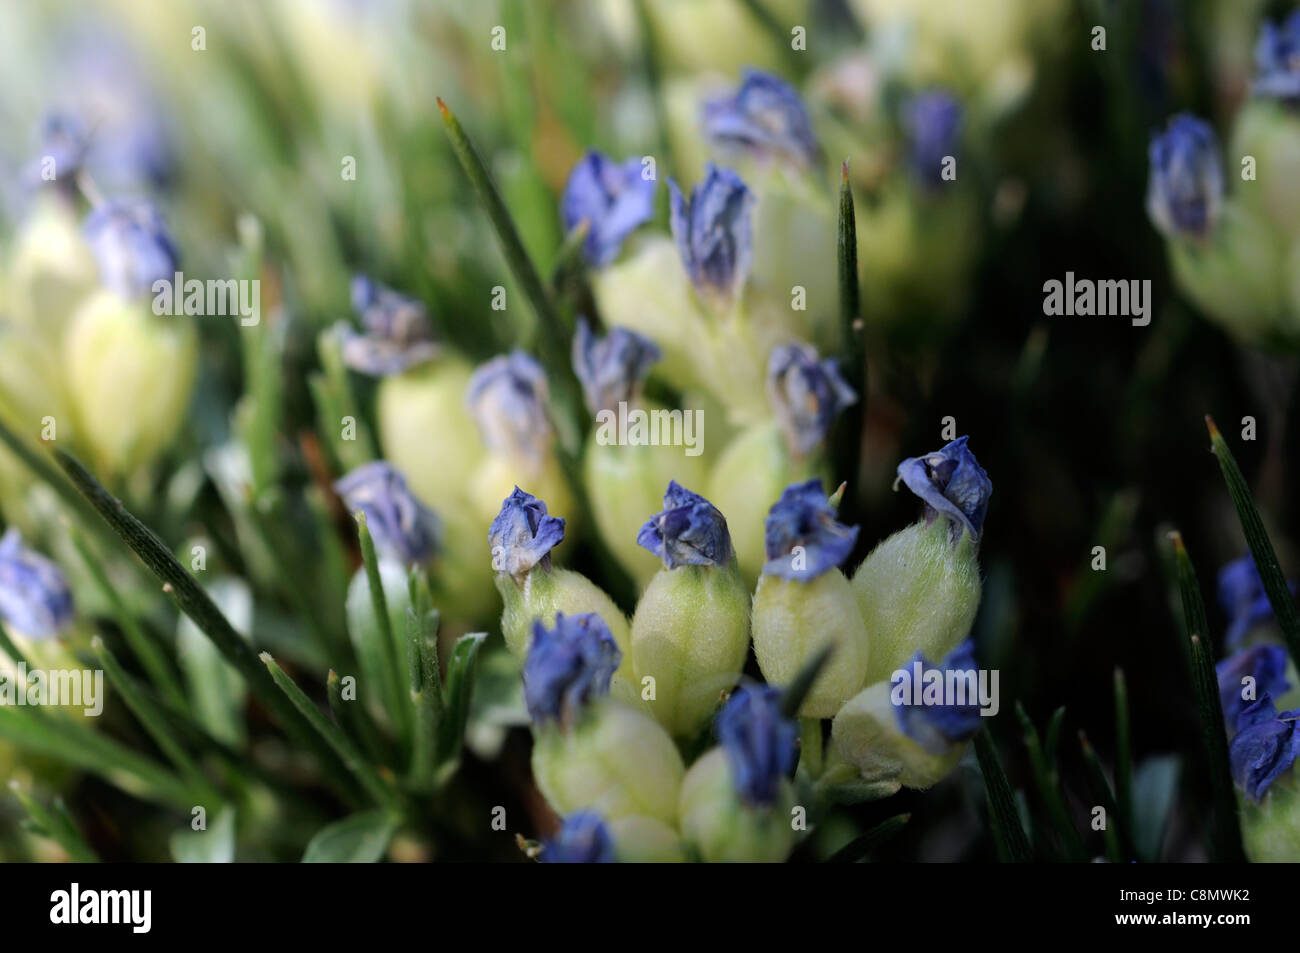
{"x":84,"y":358}
{"x":614,"y":705}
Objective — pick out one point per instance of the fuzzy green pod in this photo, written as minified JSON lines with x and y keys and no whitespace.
{"x":753,"y":469}
{"x":51,"y":270}
{"x":794,"y":620}
{"x":1270,"y":829}
{"x":545,"y":592}
{"x":430,"y":399}
{"x":626,"y":482}
{"x":916,"y":592}
{"x":1269,"y":132}
{"x":645,"y":840}
{"x":865,"y":733}
{"x":130,"y":374}
{"x":1237,"y":275}
{"x":615,"y":760}
{"x":804,"y":603}
{"x":690,"y":634}
{"x":722,"y":828}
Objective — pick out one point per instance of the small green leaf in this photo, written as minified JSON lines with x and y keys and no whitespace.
{"x":150,"y":714}
{"x":552,"y":336}
{"x":426,"y":685}
{"x":1004,"y":815}
{"x":332,"y":734}
{"x":359,"y":839}
{"x":848,"y":436}
{"x":142,"y":646}
{"x":1225,"y":827}
{"x":460,"y":686}
{"x":56,"y":824}
{"x":194,"y":602}
{"x":1123,"y":755}
{"x":1049,"y":789}
{"x":70,"y":741}
{"x":1261,"y":549}
{"x":810,"y":747}
{"x":1119,"y":843}
{"x":352,"y":718}
{"x":384,"y":644}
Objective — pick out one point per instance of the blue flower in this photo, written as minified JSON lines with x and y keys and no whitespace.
{"x":34,"y":595}
{"x":1265,"y":746}
{"x":400,"y":525}
{"x":1277,"y":60}
{"x":714,"y":234}
{"x":932,"y":122}
{"x":522,"y":535}
{"x":759,"y":742}
{"x":764,"y":116}
{"x":1266,"y":664}
{"x":1243,"y":599}
{"x":507,"y":397}
{"x":568,"y":666}
{"x":688,"y":531}
{"x":937,"y":727}
{"x":951,"y":482}
{"x":613,"y":199}
{"x":132,"y":245}
{"x":583,"y":838}
{"x":611,"y":368}
{"x":806,"y":394}
{"x":802,"y":537}
{"x":396,"y":331}
{"x":1185,"y":187}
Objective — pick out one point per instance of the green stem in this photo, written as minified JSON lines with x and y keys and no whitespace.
{"x":142,"y":646}
{"x":1049,"y":789}
{"x":552,"y":333}
{"x":198,"y":605}
{"x":64,"y":740}
{"x":388,"y":645}
{"x":155,"y":723}
{"x":1261,"y":549}
{"x":849,"y":431}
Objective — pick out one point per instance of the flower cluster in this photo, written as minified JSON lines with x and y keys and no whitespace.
{"x":598,"y":690}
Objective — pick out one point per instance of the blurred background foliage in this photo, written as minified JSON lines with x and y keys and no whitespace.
{"x":1090,"y":428}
